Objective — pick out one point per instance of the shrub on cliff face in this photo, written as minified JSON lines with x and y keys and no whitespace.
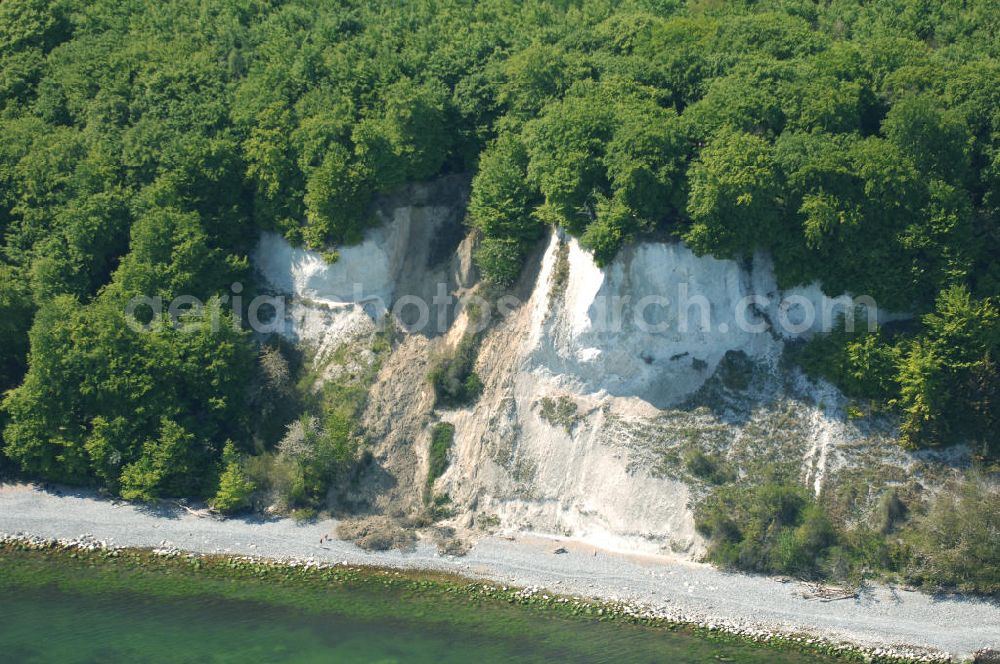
{"x":949,"y":381}
{"x":708,"y":467}
{"x":312,"y":454}
{"x":957,"y":543}
{"x":943,"y":379}
{"x":500,"y":259}
{"x":441,"y":440}
{"x":774,"y":527}
{"x":951,"y":543}
{"x":454,"y":381}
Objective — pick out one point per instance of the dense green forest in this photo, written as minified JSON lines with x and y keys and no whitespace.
{"x":146,"y":143}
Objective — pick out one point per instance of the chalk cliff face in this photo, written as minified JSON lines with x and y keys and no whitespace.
{"x":656,"y":323}
{"x":412,"y":251}
{"x":596,"y":384}
{"x":597,"y":387}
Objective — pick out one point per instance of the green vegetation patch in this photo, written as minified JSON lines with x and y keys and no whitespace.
{"x":452,"y":376}
{"x":442,"y":437}
{"x":946,"y":543}
{"x":561,"y":412}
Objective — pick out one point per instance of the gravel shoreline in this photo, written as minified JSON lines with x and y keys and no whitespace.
{"x":884,"y":621}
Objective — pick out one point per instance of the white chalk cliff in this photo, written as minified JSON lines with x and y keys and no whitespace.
{"x":589,"y":385}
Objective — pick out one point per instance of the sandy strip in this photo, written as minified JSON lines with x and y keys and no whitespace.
{"x":882,"y":617}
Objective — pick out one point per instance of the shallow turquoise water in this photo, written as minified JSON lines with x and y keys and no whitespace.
{"x":45,"y":624}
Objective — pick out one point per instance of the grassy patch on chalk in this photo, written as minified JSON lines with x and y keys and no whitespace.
{"x":441,"y":439}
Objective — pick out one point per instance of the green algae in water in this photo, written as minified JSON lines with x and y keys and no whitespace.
{"x":55,"y":608}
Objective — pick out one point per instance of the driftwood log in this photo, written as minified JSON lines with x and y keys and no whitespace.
{"x":825,"y":593}
{"x":206,"y":513}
